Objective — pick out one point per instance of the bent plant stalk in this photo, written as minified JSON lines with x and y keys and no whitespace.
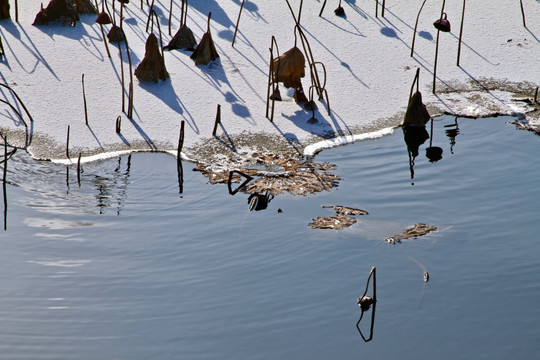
{"x":238,"y":22}
{"x":271,"y":80}
{"x":415,"y":27}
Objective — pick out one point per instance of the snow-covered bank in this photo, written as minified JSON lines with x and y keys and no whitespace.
{"x":367,"y":59}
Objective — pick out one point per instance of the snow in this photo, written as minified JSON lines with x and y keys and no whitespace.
{"x":368,"y":63}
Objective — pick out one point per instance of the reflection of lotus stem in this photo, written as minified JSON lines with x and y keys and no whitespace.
{"x":67,"y":143}
{"x":416,"y":26}
{"x":460,"y":33}
{"x":536,"y":95}
{"x":237,"y":22}
{"x":179,"y":168}
{"x":218,"y":119}
{"x":180,"y":141}
{"x":79,"y":170}
{"x":84,"y":102}
{"x":522,"y":12}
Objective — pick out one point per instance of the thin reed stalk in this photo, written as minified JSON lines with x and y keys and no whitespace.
{"x":522,"y":13}
{"x":238,"y":22}
{"x":84,"y":101}
{"x":67,"y":143}
{"x":460,"y":33}
{"x":218,"y":120}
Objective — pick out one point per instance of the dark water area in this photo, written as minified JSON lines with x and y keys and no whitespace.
{"x":125,"y":267}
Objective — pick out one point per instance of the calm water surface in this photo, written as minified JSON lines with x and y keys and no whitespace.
{"x":125,"y":267}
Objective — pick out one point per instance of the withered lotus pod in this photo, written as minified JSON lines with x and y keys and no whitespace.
{"x":416,"y":113}
{"x":289,"y":68}
{"x":85,"y":7}
{"x":299,"y":95}
{"x":116,"y":34}
{"x":205,"y":51}
{"x":339,"y":11}
{"x":103,"y":18}
{"x":365,"y":302}
{"x":152,"y":68}
{"x":4,"y":9}
{"x":183,"y":39}
{"x":57,"y":10}
{"x":434,"y":153}
{"x":442,"y":24}
{"x":276,"y":95}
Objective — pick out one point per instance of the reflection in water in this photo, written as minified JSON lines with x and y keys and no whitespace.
{"x":414,"y":137}
{"x":433,"y":153}
{"x":365,"y":302}
{"x":258,"y":201}
{"x":452,"y":130}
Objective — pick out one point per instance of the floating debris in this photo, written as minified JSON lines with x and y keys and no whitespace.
{"x":298,"y":177}
{"x":413,"y":232}
{"x":116,"y":34}
{"x":337,"y":222}
{"x":346,"y":210}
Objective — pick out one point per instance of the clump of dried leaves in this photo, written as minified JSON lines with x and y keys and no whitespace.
{"x":414,"y":232}
{"x":295,"y":176}
{"x":340,"y":221}
{"x":332,"y":222}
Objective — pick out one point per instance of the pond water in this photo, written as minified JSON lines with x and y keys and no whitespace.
{"x":125,"y":266}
